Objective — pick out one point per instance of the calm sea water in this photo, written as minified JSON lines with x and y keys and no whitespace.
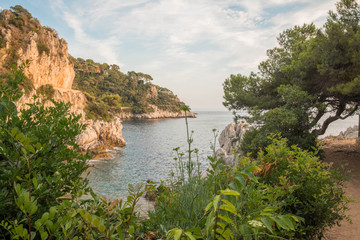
{"x":149,"y":153}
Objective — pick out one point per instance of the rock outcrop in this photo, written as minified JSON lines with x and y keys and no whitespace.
{"x":100,"y":135}
{"x":229,"y":140}
{"x":350,"y":132}
{"x":157,"y":113}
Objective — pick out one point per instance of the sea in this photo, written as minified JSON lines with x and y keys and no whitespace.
{"x":149,"y":151}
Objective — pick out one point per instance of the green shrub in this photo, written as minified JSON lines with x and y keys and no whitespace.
{"x":47,"y":91}
{"x":318,"y":196}
{"x":98,"y":111}
{"x":42,"y":47}
{"x":39,"y":163}
{"x":41,"y":185}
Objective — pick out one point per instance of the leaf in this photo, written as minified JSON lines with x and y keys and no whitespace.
{"x":287,"y":221}
{"x":14,"y":131}
{"x":35,"y":182}
{"x":102,"y":228}
{"x":216,"y":202}
{"x":44,"y":217}
{"x":209,"y":206}
{"x":226,"y":219}
{"x":30,"y":148}
{"x":209,"y":222}
{"x":190,"y":236}
{"x":222,"y":225}
{"x":52,"y":212}
{"x":19,"y":178}
{"x":131,"y":229}
{"x":177,"y":234}
{"x":241,"y":180}
{"x":230,"y":192}
{"x":95,"y":222}
{"x":19,"y":136}
{"x":268,"y":223}
{"x":44,"y":235}
{"x":279,"y":223}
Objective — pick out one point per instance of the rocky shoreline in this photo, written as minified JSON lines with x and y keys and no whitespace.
{"x":156,"y":114}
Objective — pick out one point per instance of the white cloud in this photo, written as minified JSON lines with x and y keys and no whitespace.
{"x":197,"y":42}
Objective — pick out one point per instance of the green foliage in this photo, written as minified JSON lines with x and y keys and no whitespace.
{"x":42,"y":191}
{"x":284,"y":193}
{"x":20,"y":10}
{"x":317,"y":194}
{"x":312,"y":74}
{"x":42,"y":48}
{"x":37,"y":153}
{"x":47,"y":91}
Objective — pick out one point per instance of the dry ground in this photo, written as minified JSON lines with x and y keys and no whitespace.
{"x":346,"y":151}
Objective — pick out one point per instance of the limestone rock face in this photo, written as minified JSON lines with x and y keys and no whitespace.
{"x":53,"y":68}
{"x":75,"y":97}
{"x":47,"y":54}
{"x":100,"y":135}
{"x":229,"y":140}
{"x":157,"y":113}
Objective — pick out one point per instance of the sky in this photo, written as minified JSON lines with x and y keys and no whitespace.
{"x":188,"y":46}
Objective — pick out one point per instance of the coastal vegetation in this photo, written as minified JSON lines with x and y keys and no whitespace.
{"x":110,"y":91}
{"x":284,"y":192}
{"x":309,"y":81}
{"x":278,"y":191}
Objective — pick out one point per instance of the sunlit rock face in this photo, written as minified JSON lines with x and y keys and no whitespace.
{"x":53,"y":68}
{"x":24,"y":39}
{"x":100,"y":135}
{"x":230,"y":140}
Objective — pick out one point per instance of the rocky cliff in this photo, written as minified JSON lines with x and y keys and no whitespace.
{"x":22,"y":38}
{"x":229,"y":140}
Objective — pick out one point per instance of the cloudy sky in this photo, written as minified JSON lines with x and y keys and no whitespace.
{"x":188,"y":46}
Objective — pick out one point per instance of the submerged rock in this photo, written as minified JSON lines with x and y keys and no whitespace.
{"x":229,"y":140}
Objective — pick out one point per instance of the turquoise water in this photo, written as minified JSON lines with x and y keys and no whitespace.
{"x":149,"y":154}
{"x":149,"y":151}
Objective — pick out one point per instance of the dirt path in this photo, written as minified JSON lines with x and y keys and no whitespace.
{"x":345,"y":151}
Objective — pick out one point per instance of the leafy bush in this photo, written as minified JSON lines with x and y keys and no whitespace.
{"x":98,"y":111}
{"x":41,"y":188}
{"x":317,"y":197}
{"x":283,"y":193}
{"x":47,"y":91}
{"x":37,"y":153}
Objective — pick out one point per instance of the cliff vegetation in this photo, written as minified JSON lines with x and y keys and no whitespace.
{"x":110,"y":91}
